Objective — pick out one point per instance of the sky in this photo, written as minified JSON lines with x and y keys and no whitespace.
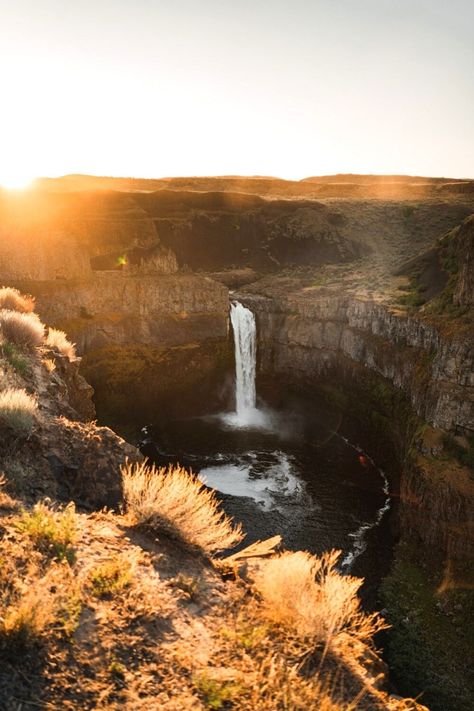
{"x":289,"y":88}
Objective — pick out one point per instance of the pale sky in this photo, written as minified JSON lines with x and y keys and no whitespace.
{"x":290,"y":88}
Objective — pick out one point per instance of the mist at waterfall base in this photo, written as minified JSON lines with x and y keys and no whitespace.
{"x":286,"y":471}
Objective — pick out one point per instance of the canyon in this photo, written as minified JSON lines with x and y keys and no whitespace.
{"x":363,"y":293}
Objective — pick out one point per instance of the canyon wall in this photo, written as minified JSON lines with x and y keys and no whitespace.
{"x":98,"y":270}
{"x":313,"y":338}
{"x":303,"y":336}
{"x":152,"y":346}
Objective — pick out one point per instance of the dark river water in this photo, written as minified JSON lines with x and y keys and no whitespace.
{"x":294,"y":476}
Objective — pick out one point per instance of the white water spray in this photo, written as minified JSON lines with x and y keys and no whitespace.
{"x":245,"y":340}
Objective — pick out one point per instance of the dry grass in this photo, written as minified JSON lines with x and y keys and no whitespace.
{"x":281,"y":686}
{"x":23,"y":329}
{"x":53,"y":532}
{"x":13,"y":300}
{"x":17,"y":411}
{"x":26,"y":618}
{"x":32,"y":600}
{"x":27,"y":614}
{"x":175,"y":500}
{"x":307,"y":594}
{"x":58,"y":340}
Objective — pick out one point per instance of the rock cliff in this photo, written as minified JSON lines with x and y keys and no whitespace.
{"x":303,"y":335}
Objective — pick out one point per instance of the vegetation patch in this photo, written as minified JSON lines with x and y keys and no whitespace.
{"x":17,"y":411}
{"x":25,"y":330}
{"x":54,"y":532}
{"x":12,"y":300}
{"x":111,"y":577}
{"x":175,"y":500}
{"x":432,"y":635}
{"x":15,"y":358}
{"x":58,"y":340}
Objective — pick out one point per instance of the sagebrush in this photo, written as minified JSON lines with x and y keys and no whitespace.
{"x":23,"y":329}
{"x":174,"y":499}
{"x":57,"y":339}
{"x":17,"y":411}
{"x":308,"y":594}
{"x":13,"y":300}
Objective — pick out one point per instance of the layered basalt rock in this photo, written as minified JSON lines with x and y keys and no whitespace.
{"x":119,"y":309}
{"x":150,"y":343}
{"x":303,"y":336}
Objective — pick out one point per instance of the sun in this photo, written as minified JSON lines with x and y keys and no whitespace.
{"x":15,"y":181}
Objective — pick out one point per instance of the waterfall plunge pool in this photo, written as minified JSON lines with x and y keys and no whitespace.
{"x":287,"y":471}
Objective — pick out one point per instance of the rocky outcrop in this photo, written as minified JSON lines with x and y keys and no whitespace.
{"x":65,"y":456}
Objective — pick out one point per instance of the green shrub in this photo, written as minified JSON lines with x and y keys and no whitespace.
{"x":111,"y":577}
{"x":216,"y":694}
{"x":52,"y":531}
{"x":464,"y":455}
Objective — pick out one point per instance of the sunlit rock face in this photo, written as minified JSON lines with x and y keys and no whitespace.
{"x":45,"y":236}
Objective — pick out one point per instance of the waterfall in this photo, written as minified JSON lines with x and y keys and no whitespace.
{"x":245,"y":340}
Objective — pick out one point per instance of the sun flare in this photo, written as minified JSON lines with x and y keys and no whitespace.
{"x":15,"y":181}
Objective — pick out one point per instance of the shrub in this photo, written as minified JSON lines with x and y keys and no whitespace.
{"x":58,"y":339}
{"x":111,"y":577}
{"x":12,"y":300}
{"x":175,"y":500}
{"x":52,"y":531}
{"x":17,"y":411}
{"x":24,"y":330}
{"x":306,"y":593}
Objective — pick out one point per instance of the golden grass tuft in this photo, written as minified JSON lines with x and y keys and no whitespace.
{"x":13,"y":300}
{"x":34,"y":602}
{"x":308,"y":594}
{"x":26,"y":618}
{"x":176,"y":501}
{"x":57,"y":339}
{"x":23,"y":329}
{"x":17,"y":411}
